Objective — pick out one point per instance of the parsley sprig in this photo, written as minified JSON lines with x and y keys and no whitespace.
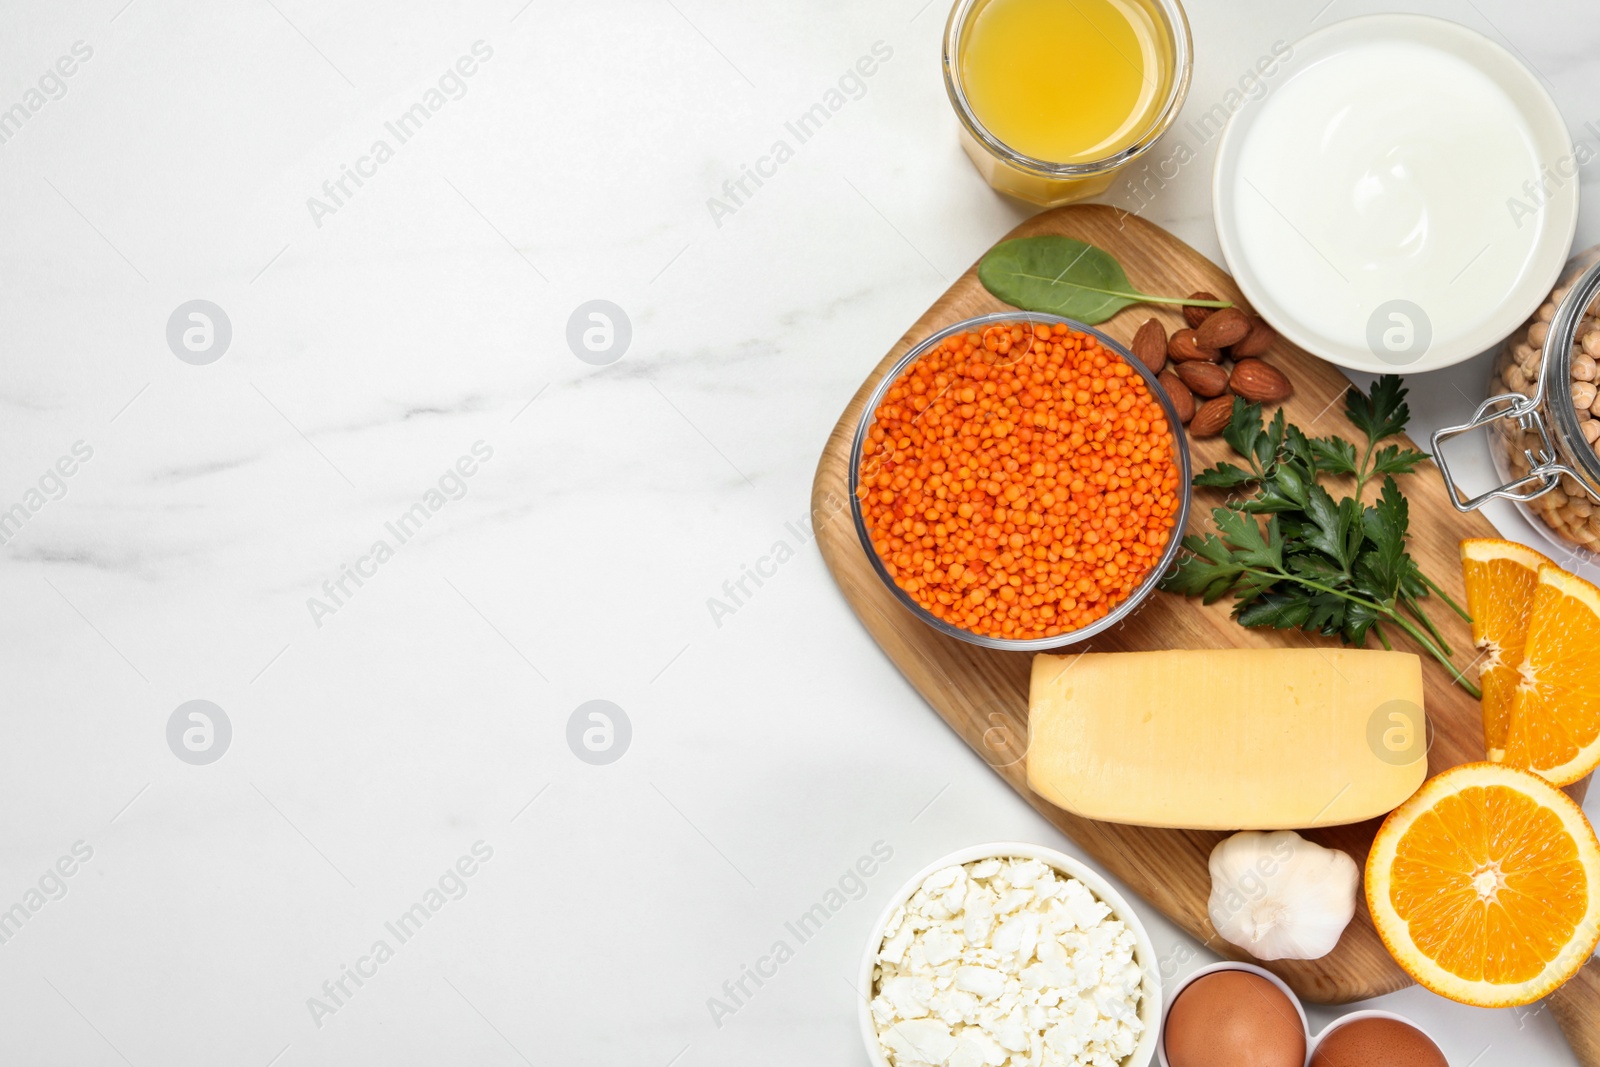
{"x":1336,"y":567}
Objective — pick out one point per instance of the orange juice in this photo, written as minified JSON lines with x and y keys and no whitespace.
{"x":1063,"y":80}
{"x":1055,"y":94}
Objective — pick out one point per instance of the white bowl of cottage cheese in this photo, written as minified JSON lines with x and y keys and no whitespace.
{"x":1005,"y":955}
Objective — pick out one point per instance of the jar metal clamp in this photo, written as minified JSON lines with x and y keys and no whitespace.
{"x":1561,"y":449}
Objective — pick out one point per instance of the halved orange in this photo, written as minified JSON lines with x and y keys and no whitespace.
{"x":1485,"y":885}
{"x":1555,"y":710}
{"x":1500,"y":577}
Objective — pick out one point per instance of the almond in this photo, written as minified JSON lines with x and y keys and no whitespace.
{"x":1150,"y":345}
{"x":1257,"y":341}
{"x":1179,"y":394}
{"x":1228,"y":326}
{"x":1194,"y":316}
{"x":1212,"y":418}
{"x":1260,"y":382}
{"x":1183,"y":348}
{"x":1203,"y":379}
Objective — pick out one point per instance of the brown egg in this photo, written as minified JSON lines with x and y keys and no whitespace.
{"x":1234,"y":1019}
{"x":1377,"y":1043}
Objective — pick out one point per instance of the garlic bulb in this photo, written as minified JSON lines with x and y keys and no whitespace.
{"x":1278,"y":896}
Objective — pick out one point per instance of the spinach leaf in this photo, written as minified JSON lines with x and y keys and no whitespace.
{"x":1064,"y":276}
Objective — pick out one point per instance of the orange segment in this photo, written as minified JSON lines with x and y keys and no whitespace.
{"x":1485,"y":885}
{"x":1555,"y":709}
{"x":1500,"y":577}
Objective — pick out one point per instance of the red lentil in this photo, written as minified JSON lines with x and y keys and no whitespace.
{"x":1019,"y":483}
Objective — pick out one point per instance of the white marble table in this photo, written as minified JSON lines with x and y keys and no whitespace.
{"x":389,"y":735}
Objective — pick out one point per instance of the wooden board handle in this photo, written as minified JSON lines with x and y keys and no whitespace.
{"x":1576,"y":1006}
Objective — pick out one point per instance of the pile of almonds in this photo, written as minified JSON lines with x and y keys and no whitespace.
{"x":1190,"y":364}
{"x":1567,"y":509}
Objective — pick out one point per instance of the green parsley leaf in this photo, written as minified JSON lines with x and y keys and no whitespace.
{"x":1384,"y":525}
{"x":1209,"y":570}
{"x":1244,"y":430}
{"x":1392,"y":459}
{"x":1381,"y":413}
{"x":1327,"y":614}
{"x":1334,"y":455}
{"x":1269,"y":443}
{"x":1278,"y":611}
{"x":1224,"y":476}
{"x":1252,"y":547}
{"x":1318,"y":568}
{"x":1328,"y":527}
{"x":1284,"y":490}
{"x":1359,"y":617}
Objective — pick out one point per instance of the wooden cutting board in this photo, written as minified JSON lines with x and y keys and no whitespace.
{"x":983,"y":694}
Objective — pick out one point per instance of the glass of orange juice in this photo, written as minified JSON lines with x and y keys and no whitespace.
{"x":1056,"y":96}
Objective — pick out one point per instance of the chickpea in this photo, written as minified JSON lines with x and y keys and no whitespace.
{"x":1584,"y":393}
{"x":1591,"y":430}
{"x":1537,"y":333}
{"x":1584,"y":368}
{"x":1591,"y":343}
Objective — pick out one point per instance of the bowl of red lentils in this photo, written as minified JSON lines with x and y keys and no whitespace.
{"x":1020,"y":481}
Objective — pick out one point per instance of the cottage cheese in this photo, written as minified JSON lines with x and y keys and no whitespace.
{"x":1005,"y":963}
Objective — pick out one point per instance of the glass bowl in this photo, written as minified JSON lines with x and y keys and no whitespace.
{"x":1129,"y":603}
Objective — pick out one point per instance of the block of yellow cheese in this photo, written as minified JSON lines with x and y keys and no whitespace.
{"x":1228,"y":739}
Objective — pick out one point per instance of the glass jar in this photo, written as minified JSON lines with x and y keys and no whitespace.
{"x":1544,"y":417}
{"x":1048,"y":183}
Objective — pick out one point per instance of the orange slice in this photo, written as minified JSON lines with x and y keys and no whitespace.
{"x":1485,"y":885}
{"x":1555,"y":710}
{"x":1500,"y":576}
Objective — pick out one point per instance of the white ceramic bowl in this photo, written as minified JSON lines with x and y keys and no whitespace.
{"x":1364,"y":202}
{"x":1370,"y":1013}
{"x":1229,"y":965}
{"x":1150,"y":1011}
{"x":1312,"y":1041}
